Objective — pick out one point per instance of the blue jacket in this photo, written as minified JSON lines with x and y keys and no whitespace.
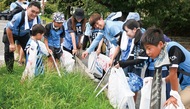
{"x":111,"y":29}
{"x":54,"y":36}
{"x":185,"y":65}
{"x":14,"y":23}
{"x":67,"y":43}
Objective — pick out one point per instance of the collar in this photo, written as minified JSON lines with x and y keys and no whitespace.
{"x":55,"y":28}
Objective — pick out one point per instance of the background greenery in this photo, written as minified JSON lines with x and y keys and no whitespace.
{"x":49,"y":91}
{"x":171,"y":15}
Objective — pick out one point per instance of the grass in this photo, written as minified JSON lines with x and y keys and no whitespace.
{"x":49,"y":91}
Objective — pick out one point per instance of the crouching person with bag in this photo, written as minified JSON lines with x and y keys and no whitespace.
{"x":54,"y":37}
{"x":137,"y":57}
{"x":35,"y":49}
{"x":178,"y":57}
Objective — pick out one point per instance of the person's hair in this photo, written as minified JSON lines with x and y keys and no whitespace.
{"x":34,"y":3}
{"x":94,"y":18}
{"x":132,"y":24}
{"x":153,"y":36}
{"x":74,"y":22}
{"x":37,"y":28}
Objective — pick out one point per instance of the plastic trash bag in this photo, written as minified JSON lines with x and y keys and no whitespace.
{"x":146,"y":93}
{"x":98,"y":63}
{"x":67,"y":61}
{"x":119,"y":92}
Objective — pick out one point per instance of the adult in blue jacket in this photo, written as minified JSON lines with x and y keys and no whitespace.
{"x":22,"y":33}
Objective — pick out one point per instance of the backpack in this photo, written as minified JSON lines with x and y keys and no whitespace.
{"x":16,"y":10}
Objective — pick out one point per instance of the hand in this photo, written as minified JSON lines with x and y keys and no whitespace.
{"x":117,"y":65}
{"x":110,"y":63}
{"x":12,"y":47}
{"x":50,"y":51}
{"x":84,"y":54}
{"x":171,"y":100}
{"x":74,"y":51}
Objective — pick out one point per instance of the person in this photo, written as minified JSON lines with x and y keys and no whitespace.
{"x":155,"y":46}
{"x":24,"y":5}
{"x":34,"y":53}
{"x":19,"y":29}
{"x":125,"y":41}
{"x":89,"y":35}
{"x":74,"y":29}
{"x":92,"y":32}
{"x":137,"y":56}
{"x":111,"y":30}
{"x":54,"y":37}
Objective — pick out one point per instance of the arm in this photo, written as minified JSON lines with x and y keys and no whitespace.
{"x":95,"y":42}
{"x":130,"y":61}
{"x":12,"y":46}
{"x":46,"y":43}
{"x":116,"y":51}
{"x":93,"y":45}
{"x":99,"y":46}
{"x":73,"y":42}
{"x":173,"y":79}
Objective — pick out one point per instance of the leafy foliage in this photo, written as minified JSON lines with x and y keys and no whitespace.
{"x":170,"y":15}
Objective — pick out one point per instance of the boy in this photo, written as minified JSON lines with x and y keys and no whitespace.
{"x":155,"y":45}
{"x":54,"y":36}
{"x":34,"y":51}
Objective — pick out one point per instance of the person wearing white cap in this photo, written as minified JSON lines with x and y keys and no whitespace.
{"x":135,"y":16}
{"x":75,"y":27}
{"x":54,"y":36}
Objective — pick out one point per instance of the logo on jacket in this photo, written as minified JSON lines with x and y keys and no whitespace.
{"x":172,"y":58}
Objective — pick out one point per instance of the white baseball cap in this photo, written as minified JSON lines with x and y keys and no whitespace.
{"x":133,"y":15}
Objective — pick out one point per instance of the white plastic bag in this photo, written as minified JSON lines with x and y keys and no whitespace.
{"x":91,"y":61}
{"x":103,"y":60}
{"x":146,"y":93}
{"x":119,"y":93}
{"x":98,"y":63}
{"x":67,"y":61}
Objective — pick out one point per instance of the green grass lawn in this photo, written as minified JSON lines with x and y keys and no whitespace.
{"x":49,"y":91}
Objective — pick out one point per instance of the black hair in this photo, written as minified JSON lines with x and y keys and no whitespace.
{"x":37,"y":28}
{"x":153,"y":36}
{"x":34,"y":3}
{"x":131,"y":24}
